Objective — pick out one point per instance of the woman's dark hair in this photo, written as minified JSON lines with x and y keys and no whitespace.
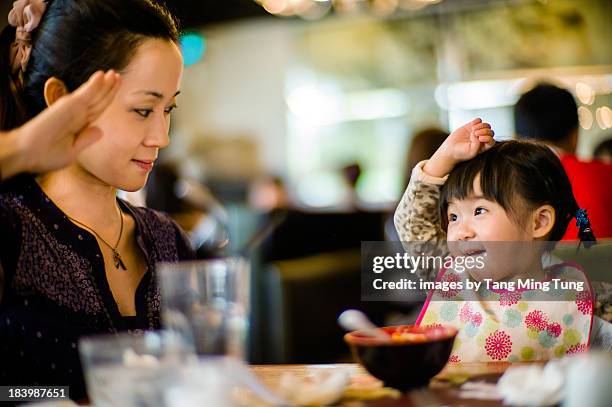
{"x":512,"y":169}
{"x":75,"y":39}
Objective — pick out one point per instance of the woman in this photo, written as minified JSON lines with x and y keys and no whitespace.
{"x":76,"y":259}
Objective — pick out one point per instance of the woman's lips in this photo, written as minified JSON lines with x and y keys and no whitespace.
{"x":145,"y":165}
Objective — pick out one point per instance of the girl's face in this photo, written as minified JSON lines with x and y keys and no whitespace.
{"x":479,"y":219}
{"x":136,"y":124}
{"x":480,"y":227}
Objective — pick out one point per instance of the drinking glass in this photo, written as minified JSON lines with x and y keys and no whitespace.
{"x":207,"y":302}
{"x":132,"y":370}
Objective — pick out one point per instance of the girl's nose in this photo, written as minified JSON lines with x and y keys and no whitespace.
{"x":465,"y":232}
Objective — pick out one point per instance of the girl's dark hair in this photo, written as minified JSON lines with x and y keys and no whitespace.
{"x":75,"y":39}
{"x":519,"y":176}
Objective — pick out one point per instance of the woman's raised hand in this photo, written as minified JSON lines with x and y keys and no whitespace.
{"x":55,"y":137}
{"x":461,"y":145}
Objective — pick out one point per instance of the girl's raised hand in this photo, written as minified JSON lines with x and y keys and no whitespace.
{"x":461,"y":145}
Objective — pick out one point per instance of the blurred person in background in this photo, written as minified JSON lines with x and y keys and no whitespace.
{"x":192,"y":206}
{"x":549,"y":114}
{"x":603,"y":151}
{"x":424,"y":144}
{"x":267,"y":194}
{"x":351,"y":174}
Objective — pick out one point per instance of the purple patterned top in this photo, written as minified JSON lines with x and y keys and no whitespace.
{"x":55,"y":288}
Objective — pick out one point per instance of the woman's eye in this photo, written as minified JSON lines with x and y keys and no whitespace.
{"x":169,"y":110}
{"x":143,"y":112}
{"x":479,"y":211}
{"x":452,"y":217}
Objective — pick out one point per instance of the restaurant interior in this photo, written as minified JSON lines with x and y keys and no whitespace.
{"x":291,"y":143}
{"x":284,"y":97}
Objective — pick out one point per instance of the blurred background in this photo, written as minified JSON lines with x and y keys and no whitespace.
{"x":299,"y":121}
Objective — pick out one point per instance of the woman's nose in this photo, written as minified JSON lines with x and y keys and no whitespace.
{"x":158,"y":135}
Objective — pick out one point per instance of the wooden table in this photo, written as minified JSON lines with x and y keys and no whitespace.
{"x":441,"y":390}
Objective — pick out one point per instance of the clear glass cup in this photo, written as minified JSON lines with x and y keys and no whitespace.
{"x":207,"y":302}
{"x":132,"y":370}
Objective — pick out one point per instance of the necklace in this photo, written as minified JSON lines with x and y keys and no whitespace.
{"x":116,"y":256}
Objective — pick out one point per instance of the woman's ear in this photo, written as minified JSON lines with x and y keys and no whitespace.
{"x":543,"y":221}
{"x":54,"y":89}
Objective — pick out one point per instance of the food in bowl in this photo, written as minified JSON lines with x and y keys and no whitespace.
{"x":409,"y":358}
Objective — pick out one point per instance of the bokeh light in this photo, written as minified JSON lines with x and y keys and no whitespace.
{"x":193,"y":47}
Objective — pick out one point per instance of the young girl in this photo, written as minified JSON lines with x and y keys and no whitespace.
{"x":501,"y":201}
{"x":76,"y":260}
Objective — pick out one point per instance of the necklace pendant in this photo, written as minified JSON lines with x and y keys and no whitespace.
{"x":118,"y":260}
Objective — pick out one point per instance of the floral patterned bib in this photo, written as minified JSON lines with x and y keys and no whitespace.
{"x":519,"y":325}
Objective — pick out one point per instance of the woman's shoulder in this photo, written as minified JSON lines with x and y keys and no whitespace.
{"x":15,"y":185}
{"x":17,"y":195}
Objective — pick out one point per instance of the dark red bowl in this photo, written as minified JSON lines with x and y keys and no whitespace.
{"x":407,"y":364}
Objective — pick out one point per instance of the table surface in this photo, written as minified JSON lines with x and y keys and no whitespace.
{"x":441,"y":391}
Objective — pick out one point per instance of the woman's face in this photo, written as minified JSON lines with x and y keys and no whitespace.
{"x":135,"y":126}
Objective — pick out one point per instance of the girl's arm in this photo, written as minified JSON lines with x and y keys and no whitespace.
{"x":417,"y":217}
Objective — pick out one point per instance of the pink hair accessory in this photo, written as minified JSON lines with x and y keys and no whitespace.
{"x":25,"y":17}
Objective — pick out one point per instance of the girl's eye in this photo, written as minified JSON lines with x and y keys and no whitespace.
{"x":144,"y":112}
{"x":479,"y":211}
{"x":452,"y":217}
{"x":169,"y":110}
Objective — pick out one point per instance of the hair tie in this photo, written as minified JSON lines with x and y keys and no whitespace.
{"x":25,"y":16}
{"x":585,"y":233}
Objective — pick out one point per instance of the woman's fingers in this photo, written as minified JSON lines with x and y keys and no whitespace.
{"x":91,"y":98}
{"x":89,"y":91}
{"x":96,"y":88}
{"x":87,"y":102}
{"x":101,"y":104}
{"x":109,"y":87}
{"x":86,"y":138}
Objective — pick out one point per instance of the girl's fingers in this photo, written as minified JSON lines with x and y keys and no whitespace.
{"x":480,"y":126}
{"x":487,"y":141}
{"x":484,"y":132}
